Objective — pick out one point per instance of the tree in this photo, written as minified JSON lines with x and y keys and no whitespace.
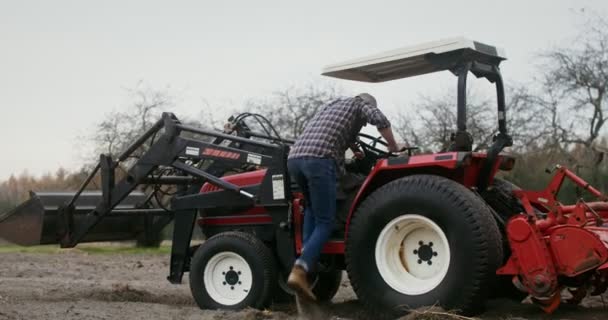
{"x":290,"y":109}
{"x":431,"y":127}
{"x":572,"y":101}
{"x":119,"y":128}
{"x":575,"y":90}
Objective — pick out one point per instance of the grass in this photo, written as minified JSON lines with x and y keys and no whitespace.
{"x":433,"y":313}
{"x":87,"y":248}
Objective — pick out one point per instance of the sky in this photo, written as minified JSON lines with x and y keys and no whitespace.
{"x":66,"y":64}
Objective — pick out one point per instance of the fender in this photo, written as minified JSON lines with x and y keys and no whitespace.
{"x":459,"y":166}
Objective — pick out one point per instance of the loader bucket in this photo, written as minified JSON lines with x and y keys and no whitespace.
{"x":36,"y":221}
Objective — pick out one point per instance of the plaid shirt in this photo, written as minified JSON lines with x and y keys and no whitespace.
{"x":334,"y":127}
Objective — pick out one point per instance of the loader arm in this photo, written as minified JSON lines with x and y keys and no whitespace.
{"x":176,"y":146}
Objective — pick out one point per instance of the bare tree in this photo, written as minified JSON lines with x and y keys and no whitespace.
{"x":575,"y":89}
{"x":434,"y":121}
{"x":289,"y":110}
{"x":119,"y":128}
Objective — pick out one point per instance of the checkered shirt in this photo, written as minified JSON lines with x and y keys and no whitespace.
{"x":334,"y":127}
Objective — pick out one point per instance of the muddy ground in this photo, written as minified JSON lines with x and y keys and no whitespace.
{"x":78,"y":285}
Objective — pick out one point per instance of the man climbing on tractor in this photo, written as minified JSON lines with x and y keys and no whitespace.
{"x":316,"y":162}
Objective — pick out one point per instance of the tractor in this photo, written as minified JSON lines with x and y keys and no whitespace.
{"x":411,"y":229}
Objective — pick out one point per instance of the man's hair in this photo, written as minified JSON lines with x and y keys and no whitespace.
{"x":368,"y":99}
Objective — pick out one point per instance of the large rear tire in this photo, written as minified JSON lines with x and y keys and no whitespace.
{"x":502,"y":200}
{"x":423,"y":240}
{"x":232,"y":270}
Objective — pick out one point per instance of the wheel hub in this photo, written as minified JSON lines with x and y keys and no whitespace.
{"x":231,"y":277}
{"x":228,"y":278}
{"x":425,"y":252}
{"x":412,"y":254}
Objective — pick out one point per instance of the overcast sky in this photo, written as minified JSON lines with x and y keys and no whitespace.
{"x":64,"y":64}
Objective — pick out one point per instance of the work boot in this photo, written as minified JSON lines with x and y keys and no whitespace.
{"x":298,"y":282}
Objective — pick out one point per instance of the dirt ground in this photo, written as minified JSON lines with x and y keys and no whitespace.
{"x":78,"y":285}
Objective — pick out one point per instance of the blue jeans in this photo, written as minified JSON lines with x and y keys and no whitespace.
{"x":317,"y":179}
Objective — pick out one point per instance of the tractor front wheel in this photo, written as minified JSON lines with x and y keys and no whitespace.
{"x":423,"y":240}
{"x":232,"y":270}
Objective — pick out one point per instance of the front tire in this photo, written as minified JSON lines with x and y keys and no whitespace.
{"x":423,"y":240}
{"x":232,"y":270}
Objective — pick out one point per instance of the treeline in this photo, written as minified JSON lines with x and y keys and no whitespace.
{"x":16,"y":188}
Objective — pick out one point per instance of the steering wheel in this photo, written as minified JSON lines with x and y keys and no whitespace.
{"x":371,"y":146}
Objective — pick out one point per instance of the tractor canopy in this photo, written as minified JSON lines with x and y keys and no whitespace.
{"x":415,"y":60}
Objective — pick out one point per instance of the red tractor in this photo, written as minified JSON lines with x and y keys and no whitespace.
{"x":412,"y":230}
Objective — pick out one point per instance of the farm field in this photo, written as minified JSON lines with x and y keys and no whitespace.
{"x":117,"y":282}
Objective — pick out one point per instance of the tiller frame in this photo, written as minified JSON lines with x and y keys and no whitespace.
{"x":556,"y":246}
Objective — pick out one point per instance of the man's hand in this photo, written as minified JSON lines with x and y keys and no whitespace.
{"x":229,"y":127}
{"x":387,"y":134}
{"x":393,"y":146}
{"x":356,"y":151}
{"x":397,"y":148}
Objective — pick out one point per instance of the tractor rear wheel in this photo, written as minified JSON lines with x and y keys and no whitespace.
{"x":502,"y":200}
{"x":423,"y":240}
{"x":232,"y":270}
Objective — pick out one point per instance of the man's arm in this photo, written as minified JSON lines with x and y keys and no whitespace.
{"x":374,"y":116}
{"x":387,"y":134}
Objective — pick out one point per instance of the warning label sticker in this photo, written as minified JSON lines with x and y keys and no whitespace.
{"x":254,"y":158}
{"x":192,"y":151}
{"x":278,"y":188}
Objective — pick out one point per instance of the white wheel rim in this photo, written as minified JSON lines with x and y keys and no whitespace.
{"x":227,"y":278}
{"x":412,"y":254}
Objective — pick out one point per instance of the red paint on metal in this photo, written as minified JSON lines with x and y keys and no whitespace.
{"x":565,"y":242}
{"x":298,"y":221}
{"x":576,"y":250}
{"x":220,"y":153}
{"x":240,"y":179}
{"x":334,"y":247}
{"x":530,"y":258}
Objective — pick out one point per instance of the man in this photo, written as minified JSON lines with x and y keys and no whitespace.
{"x":315,"y":161}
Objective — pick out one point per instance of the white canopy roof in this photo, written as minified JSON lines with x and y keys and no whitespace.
{"x":408,"y":61}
